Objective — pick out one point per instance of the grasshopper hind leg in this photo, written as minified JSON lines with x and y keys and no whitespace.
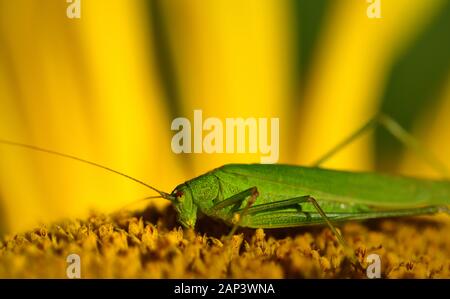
{"x":250,"y":210}
{"x":277,"y":207}
{"x":396,"y":130}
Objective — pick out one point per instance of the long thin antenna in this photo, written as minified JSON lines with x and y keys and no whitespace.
{"x":163,"y":194}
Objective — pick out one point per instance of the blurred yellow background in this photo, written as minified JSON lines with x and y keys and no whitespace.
{"x":107,"y":86}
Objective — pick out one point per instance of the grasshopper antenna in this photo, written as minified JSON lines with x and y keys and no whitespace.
{"x":35,"y":148}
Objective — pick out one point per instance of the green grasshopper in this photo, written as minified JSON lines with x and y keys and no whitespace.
{"x":278,"y":196}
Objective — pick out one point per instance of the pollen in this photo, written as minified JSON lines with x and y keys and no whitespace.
{"x":150,"y":244}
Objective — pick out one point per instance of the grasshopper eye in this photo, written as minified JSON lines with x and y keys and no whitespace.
{"x":178,"y":193}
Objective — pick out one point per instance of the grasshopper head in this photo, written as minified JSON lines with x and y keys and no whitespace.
{"x":182,"y":200}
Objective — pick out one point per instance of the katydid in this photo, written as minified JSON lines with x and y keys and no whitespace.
{"x":277,"y":196}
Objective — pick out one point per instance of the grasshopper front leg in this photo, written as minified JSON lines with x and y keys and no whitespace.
{"x":237,"y":199}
